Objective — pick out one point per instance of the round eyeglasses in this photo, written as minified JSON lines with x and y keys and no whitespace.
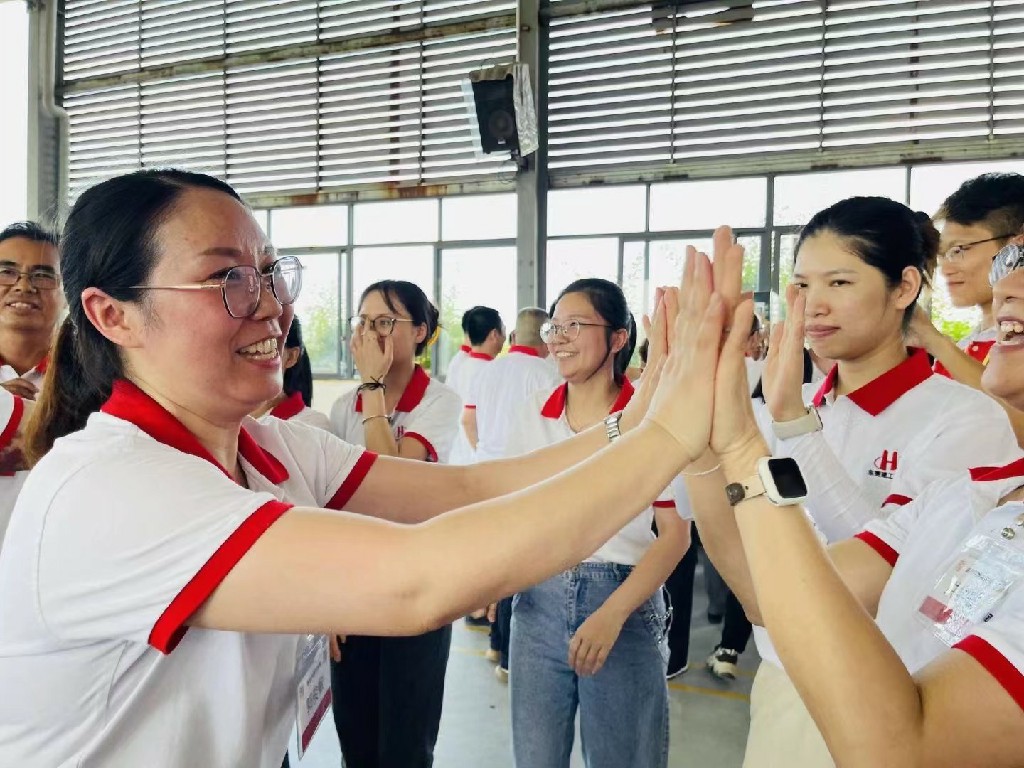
{"x":569,"y":331}
{"x":241,"y":287}
{"x":383,"y":325}
{"x":40,"y":279}
{"x":1009,"y":259}
{"x":957,"y":252}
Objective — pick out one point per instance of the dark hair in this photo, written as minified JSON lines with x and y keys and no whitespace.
{"x":479,"y":322}
{"x":885,"y":234}
{"x":29,"y":230}
{"x":415,"y":301}
{"x":643,"y":350}
{"x":109,"y":242}
{"x":465,"y":320}
{"x":610,"y":303}
{"x":298,"y":378}
{"x":995,"y":200}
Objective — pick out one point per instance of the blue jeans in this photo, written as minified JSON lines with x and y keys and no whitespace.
{"x":623,"y":708}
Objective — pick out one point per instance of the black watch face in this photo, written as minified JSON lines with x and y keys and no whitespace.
{"x":788,"y":478}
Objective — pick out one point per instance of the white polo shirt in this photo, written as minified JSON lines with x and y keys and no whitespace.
{"x":12,"y":411}
{"x":499,"y":392}
{"x":456,"y":362}
{"x":35,"y":376}
{"x":921,"y":541}
{"x":426,"y":412}
{"x":884,"y":443}
{"x":543,"y":422}
{"x":462,"y":382}
{"x":121,"y":532}
{"x":293,"y":407}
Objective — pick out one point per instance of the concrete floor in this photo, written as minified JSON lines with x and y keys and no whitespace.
{"x":709,"y":717}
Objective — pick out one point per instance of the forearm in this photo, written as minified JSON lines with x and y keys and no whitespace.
{"x":650,"y":573}
{"x":469,"y":425}
{"x":865,"y":703}
{"x":377,"y":433}
{"x":716,"y":522}
{"x":573,"y":515}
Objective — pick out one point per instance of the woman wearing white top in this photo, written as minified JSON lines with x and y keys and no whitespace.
{"x":879,"y":428}
{"x":593,"y":638}
{"x":937,"y":679}
{"x":296,"y":397}
{"x":388,"y":691}
{"x":167,"y":551}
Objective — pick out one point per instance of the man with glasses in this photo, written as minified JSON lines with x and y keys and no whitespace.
{"x":981,"y":217}
{"x":31,"y":303}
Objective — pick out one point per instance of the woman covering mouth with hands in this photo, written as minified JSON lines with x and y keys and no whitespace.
{"x":941,"y":577}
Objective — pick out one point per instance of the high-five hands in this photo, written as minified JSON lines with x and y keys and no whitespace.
{"x":783,"y":374}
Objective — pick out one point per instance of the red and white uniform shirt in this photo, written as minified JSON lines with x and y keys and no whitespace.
{"x":498,"y":394}
{"x":12,"y":411}
{"x":457,"y":361}
{"x":294,"y":408}
{"x":922,"y":540}
{"x":35,"y":376}
{"x":884,"y":443}
{"x":121,"y":532}
{"x":543,"y":422}
{"x":977,"y":345}
{"x":426,"y":412}
{"x":462,"y":382}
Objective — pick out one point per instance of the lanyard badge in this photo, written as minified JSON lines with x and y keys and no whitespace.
{"x":971,"y":588}
{"x":313,"y":694}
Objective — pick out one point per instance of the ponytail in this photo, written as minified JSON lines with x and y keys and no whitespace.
{"x":625,"y":355}
{"x":70,"y":392}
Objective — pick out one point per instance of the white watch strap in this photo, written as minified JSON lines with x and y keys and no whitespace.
{"x":809,"y":422}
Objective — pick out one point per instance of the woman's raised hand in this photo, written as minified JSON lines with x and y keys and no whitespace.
{"x":371,"y":361}
{"x":666,"y":307}
{"x":783,"y":375}
{"x":684,"y":399}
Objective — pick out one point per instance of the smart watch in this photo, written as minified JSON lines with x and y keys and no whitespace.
{"x":802,"y":425}
{"x":779,"y":479}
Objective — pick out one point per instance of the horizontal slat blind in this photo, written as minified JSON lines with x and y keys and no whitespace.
{"x":793,"y":82}
{"x":159,"y":83}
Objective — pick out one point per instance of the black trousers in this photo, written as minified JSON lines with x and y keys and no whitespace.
{"x":388,"y":693}
{"x":736,"y":629}
{"x":680,"y":589}
{"x":501,"y":630}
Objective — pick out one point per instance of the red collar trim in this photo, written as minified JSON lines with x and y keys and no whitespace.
{"x":523,"y":350}
{"x":130,"y":403}
{"x":480,"y":356}
{"x":465,"y":348}
{"x":411,"y":397}
{"x":555,"y":405}
{"x":878,"y":394}
{"x":292,"y":405}
{"x":1011,"y":470}
{"x":40,"y":368}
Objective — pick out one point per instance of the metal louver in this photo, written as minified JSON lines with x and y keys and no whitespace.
{"x":731,"y":86}
{"x":282,"y":98}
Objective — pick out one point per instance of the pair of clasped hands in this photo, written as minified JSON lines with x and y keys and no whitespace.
{"x":695,"y":384}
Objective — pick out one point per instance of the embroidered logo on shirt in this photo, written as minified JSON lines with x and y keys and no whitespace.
{"x":885,"y":465}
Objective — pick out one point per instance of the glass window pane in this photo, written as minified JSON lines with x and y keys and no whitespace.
{"x":931,"y":184}
{"x":396,"y":221}
{"x":739,"y":203}
{"x":262,"y":216}
{"x":570,"y":260}
{"x":784,"y":272}
{"x":318,"y":309}
{"x":667,"y":258}
{"x":799,"y":197}
{"x":478,"y":217}
{"x":320,"y":225}
{"x":472,"y":276}
{"x":596,"y":211}
{"x":414,"y":263}
{"x":14,"y":97}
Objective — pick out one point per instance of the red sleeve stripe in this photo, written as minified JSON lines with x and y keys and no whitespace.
{"x":470,"y":407}
{"x":7,"y":436}
{"x":997,"y":665}
{"x":886,"y":552}
{"x":664,"y":504}
{"x":431,"y":453}
{"x":170,"y":628}
{"x":895,"y":498}
{"x":352,"y":482}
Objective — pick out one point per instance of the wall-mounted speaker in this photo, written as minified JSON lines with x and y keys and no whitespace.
{"x":499,"y":101}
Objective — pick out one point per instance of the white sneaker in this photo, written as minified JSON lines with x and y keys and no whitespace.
{"x":722,"y":663}
{"x":501,"y":673}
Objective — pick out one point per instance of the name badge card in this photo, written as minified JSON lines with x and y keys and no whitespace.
{"x":313,"y":677}
{"x":971,"y":588}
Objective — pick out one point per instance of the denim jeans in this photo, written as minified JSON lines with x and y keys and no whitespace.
{"x":623,"y":709}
